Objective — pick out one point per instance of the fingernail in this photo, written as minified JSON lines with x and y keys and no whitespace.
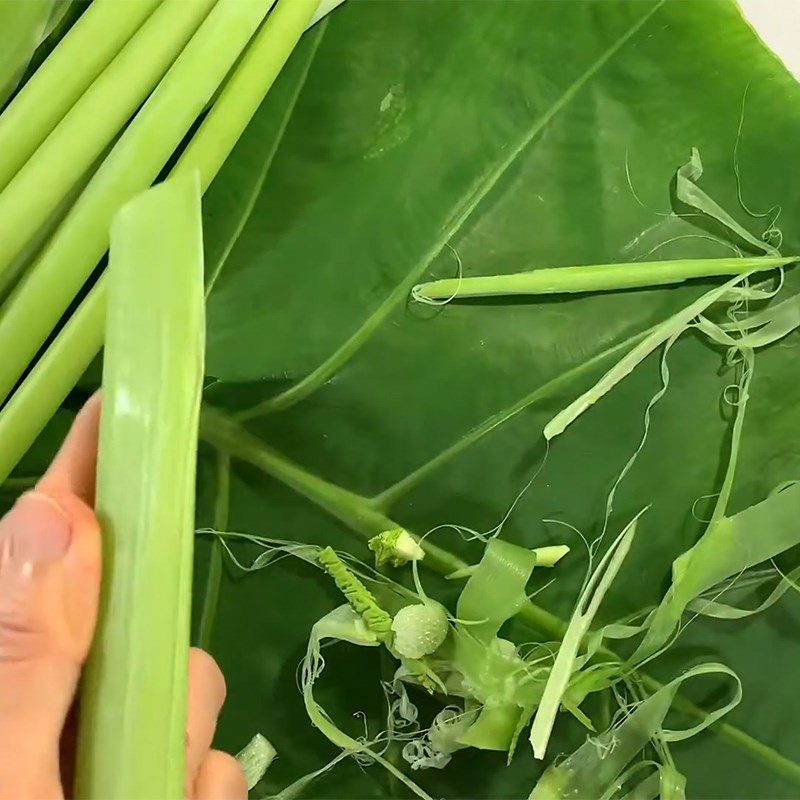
{"x":36,"y":529}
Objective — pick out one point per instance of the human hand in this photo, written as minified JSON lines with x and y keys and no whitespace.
{"x":49,"y":590}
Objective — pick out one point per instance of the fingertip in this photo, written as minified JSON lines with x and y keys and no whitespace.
{"x":74,"y":467}
{"x":206,"y":678}
{"x":206,"y":696}
{"x":221,"y":778}
{"x":85,"y":546}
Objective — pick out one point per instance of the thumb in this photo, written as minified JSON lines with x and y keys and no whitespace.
{"x":49,"y":584}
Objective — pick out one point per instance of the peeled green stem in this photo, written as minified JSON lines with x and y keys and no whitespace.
{"x":81,"y":136}
{"x":585,"y":610}
{"x":133,"y":702}
{"x":32,"y":250}
{"x":551,"y":555}
{"x":54,"y":88}
{"x":255,"y":759}
{"x":594,"y":278}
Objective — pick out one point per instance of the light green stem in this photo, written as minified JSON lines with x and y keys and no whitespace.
{"x":65,"y":265}
{"x":592,"y":278}
{"x":33,"y":249}
{"x":54,"y":88}
{"x":50,"y":381}
{"x":246,"y":88}
{"x":55,"y":278}
{"x":360,"y":516}
{"x":214,"y":580}
{"x":35,"y":191}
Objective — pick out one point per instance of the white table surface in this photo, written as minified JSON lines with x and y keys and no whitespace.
{"x":778,"y":24}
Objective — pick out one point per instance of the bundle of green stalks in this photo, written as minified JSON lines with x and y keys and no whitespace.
{"x":91,"y":128}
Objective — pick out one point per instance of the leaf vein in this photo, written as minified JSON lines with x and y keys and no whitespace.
{"x":390,"y":495}
{"x":469,"y":203}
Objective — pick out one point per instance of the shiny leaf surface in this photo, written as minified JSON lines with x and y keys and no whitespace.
{"x":400,"y":139}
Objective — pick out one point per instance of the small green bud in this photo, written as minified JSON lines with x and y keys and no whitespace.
{"x":396,"y":547}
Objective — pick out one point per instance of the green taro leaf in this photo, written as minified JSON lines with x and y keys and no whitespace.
{"x":401,"y":138}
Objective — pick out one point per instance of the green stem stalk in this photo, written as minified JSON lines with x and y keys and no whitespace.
{"x":246,"y":88}
{"x":593,"y":278}
{"x":85,"y":51}
{"x":351,"y":509}
{"x":358,"y":514}
{"x":50,"y":381}
{"x":208,"y":614}
{"x":34,"y":247}
{"x":35,"y":191}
